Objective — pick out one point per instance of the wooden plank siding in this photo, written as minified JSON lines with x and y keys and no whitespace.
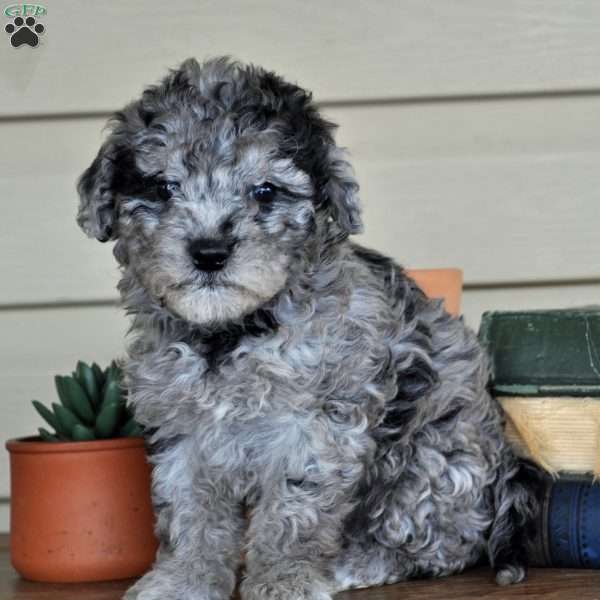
{"x":473,"y":126}
{"x":343,"y":51}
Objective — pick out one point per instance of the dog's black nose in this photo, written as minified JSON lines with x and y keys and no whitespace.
{"x":209,"y":255}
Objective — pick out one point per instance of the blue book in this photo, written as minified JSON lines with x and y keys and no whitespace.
{"x":568,"y":528}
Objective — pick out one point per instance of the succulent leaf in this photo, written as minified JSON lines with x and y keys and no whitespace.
{"x":130,"y":429}
{"x":60,"y":390}
{"x":47,"y":436}
{"x":81,"y":433}
{"x":87,"y":379}
{"x":108,"y":418}
{"x":78,"y":400}
{"x":113,"y":373}
{"x":77,"y":373}
{"x":46,"y":414}
{"x":67,"y":419}
{"x":61,"y":431}
{"x":112,"y":393}
{"x":99,"y":375}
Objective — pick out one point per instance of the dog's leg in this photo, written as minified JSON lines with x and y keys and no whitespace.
{"x":294,"y":536}
{"x":200,"y":527}
{"x":516,"y":507}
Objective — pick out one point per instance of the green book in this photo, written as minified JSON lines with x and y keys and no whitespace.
{"x":544,"y":352}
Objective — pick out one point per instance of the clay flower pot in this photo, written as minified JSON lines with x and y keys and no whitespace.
{"x":80,"y":511}
{"x":441,"y":283}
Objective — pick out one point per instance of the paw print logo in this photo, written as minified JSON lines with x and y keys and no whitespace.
{"x":24,"y":31}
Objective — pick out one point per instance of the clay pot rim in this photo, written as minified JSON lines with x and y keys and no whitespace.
{"x":35,"y":445}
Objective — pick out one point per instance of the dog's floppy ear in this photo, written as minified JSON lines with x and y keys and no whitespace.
{"x":96,"y":214}
{"x":341,"y":192}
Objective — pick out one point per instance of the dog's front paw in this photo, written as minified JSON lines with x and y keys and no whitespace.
{"x":160,"y":584}
{"x":285,"y":588}
{"x":151,"y":587}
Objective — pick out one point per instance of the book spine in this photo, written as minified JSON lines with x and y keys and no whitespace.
{"x":568,"y":527}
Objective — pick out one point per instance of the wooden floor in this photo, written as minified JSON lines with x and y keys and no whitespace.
{"x":478,"y":584}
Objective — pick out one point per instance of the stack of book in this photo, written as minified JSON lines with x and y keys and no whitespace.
{"x":545,"y":371}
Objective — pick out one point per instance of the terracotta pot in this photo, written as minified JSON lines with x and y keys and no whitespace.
{"x":80,"y":511}
{"x":441,"y":283}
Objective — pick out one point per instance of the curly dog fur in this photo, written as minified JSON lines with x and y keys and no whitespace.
{"x":287,"y":377}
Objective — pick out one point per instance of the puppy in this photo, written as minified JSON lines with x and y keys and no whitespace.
{"x":288,"y":378}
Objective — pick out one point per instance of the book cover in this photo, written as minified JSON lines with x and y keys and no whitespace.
{"x":544,"y":353}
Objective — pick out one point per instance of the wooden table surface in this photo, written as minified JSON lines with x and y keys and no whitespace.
{"x":550,"y":584}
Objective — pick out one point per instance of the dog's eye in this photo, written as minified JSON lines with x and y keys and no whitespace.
{"x":166,"y":189}
{"x":265,"y":192}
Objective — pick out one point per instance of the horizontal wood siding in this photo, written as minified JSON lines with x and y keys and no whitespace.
{"x":344,"y":51}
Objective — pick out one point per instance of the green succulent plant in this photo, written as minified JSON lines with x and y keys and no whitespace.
{"x":93,"y":405}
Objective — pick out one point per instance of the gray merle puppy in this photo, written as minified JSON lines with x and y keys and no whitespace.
{"x":285,"y":375}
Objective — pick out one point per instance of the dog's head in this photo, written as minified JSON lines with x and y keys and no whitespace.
{"x":217,"y":183}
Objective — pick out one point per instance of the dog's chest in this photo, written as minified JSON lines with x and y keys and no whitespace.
{"x":267,"y":410}
{"x":273,"y":403}
{"x":292,"y":371}
{"x":257,"y":387}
